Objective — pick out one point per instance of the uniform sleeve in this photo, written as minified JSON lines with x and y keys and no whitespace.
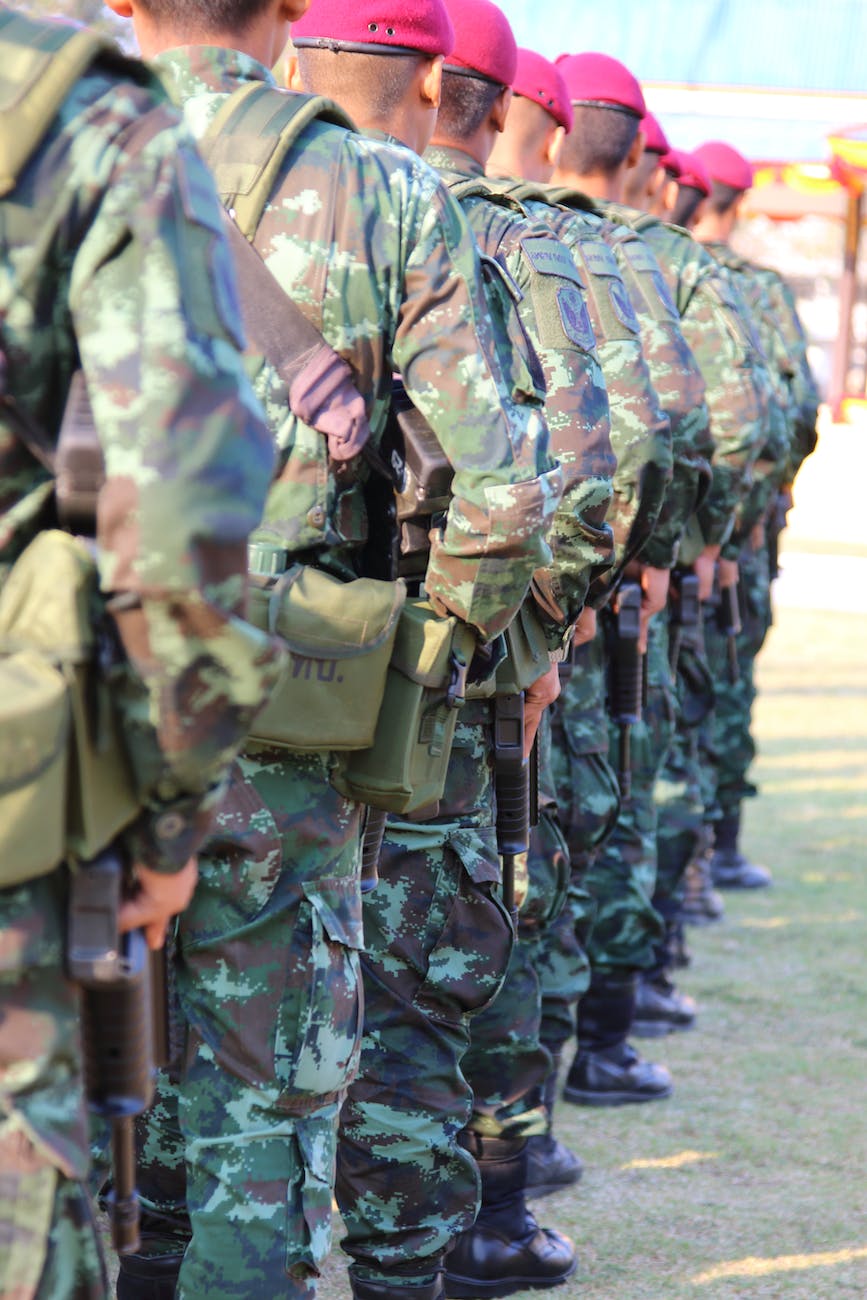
{"x":679,"y":386}
{"x":723,"y":352}
{"x":188,"y":461}
{"x":506,"y":485}
{"x":556,"y":321}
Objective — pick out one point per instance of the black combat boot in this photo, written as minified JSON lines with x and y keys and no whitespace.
{"x":659,"y":1007}
{"x":607,"y":1071}
{"x":397,"y":1286}
{"x":729,"y":868}
{"x":148,"y":1277}
{"x":551,"y":1166}
{"x":505,"y":1250}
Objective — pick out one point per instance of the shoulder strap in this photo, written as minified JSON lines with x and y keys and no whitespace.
{"x":570,"y":198}
{"x":248,"y":139}
{"x":482,"y":187}
{"x":39,"y":65}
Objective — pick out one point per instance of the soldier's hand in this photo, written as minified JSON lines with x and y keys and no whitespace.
{"x":537,"y":697}
{"x":704,"y":569}
{"x":585,"y":627}
{"x":654,"y":594}
{"x":158,"y":898}
{"x":728,"y":573}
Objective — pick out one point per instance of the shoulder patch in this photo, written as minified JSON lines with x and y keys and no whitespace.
{"x":549,"y":257}
{"x":575,"y":317}
{"x":623,"y":309}
{"x":640,"y":255}
{"x":599,"y":259}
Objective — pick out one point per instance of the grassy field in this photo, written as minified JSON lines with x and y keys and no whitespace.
{"x":751,"y":1181}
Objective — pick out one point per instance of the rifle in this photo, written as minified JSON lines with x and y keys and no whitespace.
{"x":512,"y":789}
{"x":118,"y":1033}
{"x":627,"y":675}
{"x":685,"y":612}
{"x":728,"y":617}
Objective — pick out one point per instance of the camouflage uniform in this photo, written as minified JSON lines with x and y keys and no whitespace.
{"x":111,"y":254}
{"x":391,"y":283}
{"x":708,"y":310}
{"x":405,"y":1187}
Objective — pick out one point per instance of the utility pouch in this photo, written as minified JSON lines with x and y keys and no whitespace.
{"x":62,"y":756}
{"x":405,"y":767}
{"x":340,"y":637}
{"x":525,"y":659}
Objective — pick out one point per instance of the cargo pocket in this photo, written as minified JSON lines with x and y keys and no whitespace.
{"x":468,"y":962}
{"x":308,"y":1232}
{"x":318,"y":1030}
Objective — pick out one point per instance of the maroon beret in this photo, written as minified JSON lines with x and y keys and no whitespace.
{"x":654,"y":136}
{"x":536,"y":78}
{"x":376,"y":26}
{"x":725,"y":165}
{"x":599,"y":79}
{"x":692,"y":171}
{"x":671,"y":163}
{"x":484,"y":44}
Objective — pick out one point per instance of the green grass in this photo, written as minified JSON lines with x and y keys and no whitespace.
{"x":765,"y":1135}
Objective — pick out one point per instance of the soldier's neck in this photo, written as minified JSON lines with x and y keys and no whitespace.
{"x":609,"y":188}
{"x":261,"y":40}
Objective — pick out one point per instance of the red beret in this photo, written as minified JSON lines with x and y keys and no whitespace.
{"x":654,"y":136}
{"x":484,"y":44}
{"x":536,"y":78}
{"x":692,"y":171}
{"x":599,"y":79}
{"x":375,"y":26}
{"x":671,"y":163}
{"x":725,"y":165}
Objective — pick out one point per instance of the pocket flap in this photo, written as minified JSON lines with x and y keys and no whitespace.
{"x":338,"y":905}
{"x":424,"y":643}
{"x":34,"y":718}
{"x":320,"y":617}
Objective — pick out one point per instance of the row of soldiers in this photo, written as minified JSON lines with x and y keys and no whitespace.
{"x":620,"y":404}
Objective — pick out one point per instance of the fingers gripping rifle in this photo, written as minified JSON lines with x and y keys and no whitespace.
{"x":627,"y":675}
{"x":124,"y":1024}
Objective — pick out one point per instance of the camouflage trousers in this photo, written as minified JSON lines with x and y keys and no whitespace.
{"x":237,"y":1158}
{"x":588,"y":803}
{"x":49,"y":1243}
{"x":680,"y":807}
{"x":437,"y":946}
{"x":729,"y":745}
{"x":507,"y":1062}
{"x":622,"y":874}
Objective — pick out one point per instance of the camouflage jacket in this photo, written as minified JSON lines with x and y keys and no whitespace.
{"x":721,"y":345}
{"x":112,"y":259}
{"x":640,"y":430}
{"x":552,"y":309}
{"x":802,"y":384}
{"x":393,"y":284}
{"x":677,"y":379}
{"x":772,"y":466}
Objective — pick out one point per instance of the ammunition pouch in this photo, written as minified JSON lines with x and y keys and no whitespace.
{"x":66,"y":788}
{"x":404,"y":768}
{"x":340,"y":637}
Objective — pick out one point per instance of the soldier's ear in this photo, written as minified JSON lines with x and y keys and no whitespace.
{"x":292,"y":10}
{"x":291,"y":70}
{"x":636,"y":149}
{"x":123,"y":8}
{"x":500,"y":109}
{"x":431,"y":83}
{"x":553,"y":145}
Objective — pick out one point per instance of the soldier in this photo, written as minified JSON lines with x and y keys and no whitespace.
{"x":719,"y":342}
{"x":646,"y":183}
{"x":794,"y":395}
{"x":404,"y":1198}
{"x":604,"y":143}
{"x":112,"y":259}
{"x":379,"y":258}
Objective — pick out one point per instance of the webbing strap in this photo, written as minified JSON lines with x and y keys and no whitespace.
{"x":248,"y":139}
{"x":39,"y":65}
